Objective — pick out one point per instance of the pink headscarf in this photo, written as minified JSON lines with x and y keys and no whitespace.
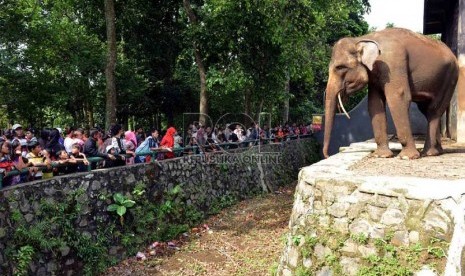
{"x":131,"y":136}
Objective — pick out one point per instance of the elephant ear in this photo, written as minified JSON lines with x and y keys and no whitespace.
{"x":368,"y":51}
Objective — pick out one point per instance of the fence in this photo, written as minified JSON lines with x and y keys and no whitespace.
{"x":178,"y":153}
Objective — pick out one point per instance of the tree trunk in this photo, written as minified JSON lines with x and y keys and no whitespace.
{"x":248,"y":106}
{"x":110,"y":110}
{"x":89,"y":115}
{"x":285,"y":117}
{"x":203,"y":107}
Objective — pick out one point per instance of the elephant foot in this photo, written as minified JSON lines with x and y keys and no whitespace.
{"x":432,"y":151}
{"x":409,"y":154}
{"x":382,"y":153}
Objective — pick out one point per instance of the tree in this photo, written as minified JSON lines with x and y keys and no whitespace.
{"x":203,"y":106}
{"x":110,"y":91}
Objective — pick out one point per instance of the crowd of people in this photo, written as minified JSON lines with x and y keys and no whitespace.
{"x":54,"y":151}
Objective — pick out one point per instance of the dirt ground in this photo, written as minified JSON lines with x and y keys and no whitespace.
{"x":450,"y":165}
{"x":245,"y":239}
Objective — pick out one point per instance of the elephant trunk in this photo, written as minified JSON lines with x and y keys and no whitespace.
{"x":330,"y":111}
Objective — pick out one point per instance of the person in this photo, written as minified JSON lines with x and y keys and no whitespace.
{"x":130,"y":144}
{"x":118,"y":144}
{"x":200,"y":137}
{"x":118,"y":161}
{"x":20,"y":163}
{"x":80,"y":158}
{"x":168,"y":142}
{"x":6,"y":164}
{"x":79,"y":136}
{"x":19,"y":135}
{"x":53,"y":145}
{"x":68,"y":164}
{"x":140,"y":135}
{"x":221,"y":137}
{"x":90,"y":147}
{"x":279,"y":134}
{"x":44,"y":137}
{"x":254,"y":131}
{"x":69,"y":139}
{"x":30,"y":136}
{"x":40,"y":158}
{"x":60,"y":140}
{"x":177,"y":140}
{"x":150,"y":144}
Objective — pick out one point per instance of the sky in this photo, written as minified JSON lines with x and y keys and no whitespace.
{"x":403,"y":13}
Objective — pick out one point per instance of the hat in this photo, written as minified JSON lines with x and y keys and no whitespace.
{"x":108,"y":148}
{"x":59,"y":130}
{"x":15,"y":126}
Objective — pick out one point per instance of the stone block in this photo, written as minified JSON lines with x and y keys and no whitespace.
{"x":414,"y":237}
{"x":339,"y":209}
{"x":366,"y":251}
{"x":325,"y":271}
{"x":355,"y":210}
{"x":64,"y":250}
{"x":400,"y":238}
{"x":375,"y":212}
{"x":360,"y":226}
{"x":341,"y":225}
{"x":438,"y":220}
{"x":350,"y":248}
{"x":321,"y":251}
{"x":307,"y":263}
{"x":293,"y":256}
{"x":350,"y":266}
{"x":29,"y":218}
{"x":392,"y":217}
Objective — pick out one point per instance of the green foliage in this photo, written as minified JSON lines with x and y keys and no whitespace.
{"x":296,"y":239}
{"x":120,"y":206}
{"x":53,"y":55}
{"x":23,"y":258}
{"x":55,"y":229}
{"x":221,"y":203}
{"x":401,"y":260}
{"x":360,"y":238}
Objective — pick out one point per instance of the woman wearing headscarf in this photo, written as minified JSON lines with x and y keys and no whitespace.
{"x":131,"y":144}
{"x":168,"y":142}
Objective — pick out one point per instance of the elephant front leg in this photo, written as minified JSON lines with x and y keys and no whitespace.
{"x":377,"y":111}
{"x":399,"y":103}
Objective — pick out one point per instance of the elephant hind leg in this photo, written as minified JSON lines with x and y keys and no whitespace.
{"x":433,"y":140}
{"x":432,"y":145}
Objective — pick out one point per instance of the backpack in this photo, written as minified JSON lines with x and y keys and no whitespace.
{"x":145,"y":147}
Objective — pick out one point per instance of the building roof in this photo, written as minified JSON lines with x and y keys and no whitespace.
{"x":436,"y":14}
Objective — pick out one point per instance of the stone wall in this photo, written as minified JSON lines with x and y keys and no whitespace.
{"x":56,"y":226}
{"x":346,"y":224}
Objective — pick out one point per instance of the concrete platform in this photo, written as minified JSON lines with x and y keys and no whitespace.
{"x":419,"y":201}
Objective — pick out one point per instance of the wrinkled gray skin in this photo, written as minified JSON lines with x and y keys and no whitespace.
{"x":399,"y":66}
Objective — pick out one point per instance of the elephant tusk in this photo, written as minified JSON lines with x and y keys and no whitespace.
{"x":342,"y":106}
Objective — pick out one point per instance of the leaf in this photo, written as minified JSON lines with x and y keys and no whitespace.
{"x":118,"y":198}
{"x":128,"y":203}
{"x":121,"y":210}
{"x":112,"y":207}
{"x":176,"y":190}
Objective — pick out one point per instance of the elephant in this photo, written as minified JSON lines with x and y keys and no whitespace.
{"x":399,"y":66}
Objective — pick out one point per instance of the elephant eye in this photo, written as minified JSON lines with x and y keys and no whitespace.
{"x":341,"y":67}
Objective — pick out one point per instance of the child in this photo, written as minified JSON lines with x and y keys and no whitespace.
{"x":79,"y":157}
{"x":67,"y":164}
{"x":118,"y":161}
{"x":40,"y":158}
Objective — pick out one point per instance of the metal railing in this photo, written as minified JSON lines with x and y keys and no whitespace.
{"x":178,"y":152}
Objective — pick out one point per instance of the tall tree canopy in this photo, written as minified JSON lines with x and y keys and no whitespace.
{"x":256,"y":56}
